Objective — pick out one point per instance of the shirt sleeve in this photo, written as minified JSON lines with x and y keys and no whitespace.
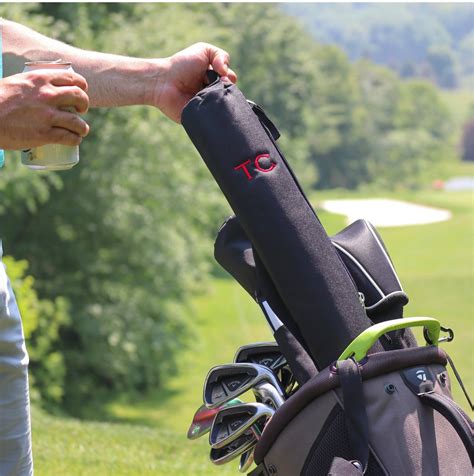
{"x":2,"y":154}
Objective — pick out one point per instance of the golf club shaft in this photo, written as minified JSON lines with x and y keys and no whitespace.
{"x":267,"y":392}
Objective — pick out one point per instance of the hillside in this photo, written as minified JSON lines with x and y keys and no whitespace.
{"x":434,"y":41}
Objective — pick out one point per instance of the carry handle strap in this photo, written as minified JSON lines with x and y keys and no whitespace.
{"x":355,"y":413}
{"x":458,"y":419}
{"x":359,"y":347}
{"x":212,"y":76}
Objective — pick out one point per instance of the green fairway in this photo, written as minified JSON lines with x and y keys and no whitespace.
{"x":435,"y":263}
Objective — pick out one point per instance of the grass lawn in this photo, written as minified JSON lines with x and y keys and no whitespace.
{"x":435,"y":263}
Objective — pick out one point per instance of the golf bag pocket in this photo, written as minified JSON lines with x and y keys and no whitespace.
{"x":367,"y":260}
{"x":363,"y":252}
{"x":390,"y":413}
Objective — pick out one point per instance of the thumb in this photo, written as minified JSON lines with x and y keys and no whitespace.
{"x":219,"y":60}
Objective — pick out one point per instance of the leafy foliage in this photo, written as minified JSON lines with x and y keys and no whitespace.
{"x":121,"y":242}
{"x":42,"y":319}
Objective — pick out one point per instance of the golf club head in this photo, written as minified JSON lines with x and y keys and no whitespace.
{"x":226,"y":382}
{"x":288,"y":380}
{"x":233,"y":450}
{"x":269,"y":355}
{"x":266,"y":393}
{"x":232,"y":422}
{"x":246,"y":460}
{"x":203,"y":418}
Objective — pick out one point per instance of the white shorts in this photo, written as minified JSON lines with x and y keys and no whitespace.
{"x":15,"y":427}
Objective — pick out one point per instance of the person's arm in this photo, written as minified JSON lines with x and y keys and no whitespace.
{"x":166,"y":83}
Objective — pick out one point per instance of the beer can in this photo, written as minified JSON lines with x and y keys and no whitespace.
{"x":50,"y":156}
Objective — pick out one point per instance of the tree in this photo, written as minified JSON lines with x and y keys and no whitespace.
{"x":442,"y":63}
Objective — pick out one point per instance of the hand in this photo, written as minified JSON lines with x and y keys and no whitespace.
{"x":184,"y":74}
{"x":32,"y":109}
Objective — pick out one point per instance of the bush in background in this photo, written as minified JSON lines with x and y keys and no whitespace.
{"x":42,"y":319}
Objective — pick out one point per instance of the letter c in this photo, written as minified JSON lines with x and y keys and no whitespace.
{"x":259,"y":167}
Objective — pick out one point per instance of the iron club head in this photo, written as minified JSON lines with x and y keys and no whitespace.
{"x":203,"y":418}
{"x":267,"y":354}
{"x":226,"y":382}
{"x":232,"y":422}
{"x":233,"y":450}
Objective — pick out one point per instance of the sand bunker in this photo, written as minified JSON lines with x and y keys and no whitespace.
{"x":383,"y":212}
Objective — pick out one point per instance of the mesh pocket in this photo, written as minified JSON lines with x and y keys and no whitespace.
{"x":332,"y":441}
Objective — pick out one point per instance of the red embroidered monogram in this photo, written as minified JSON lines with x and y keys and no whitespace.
{"x":259,"y":167}
{"x":244,"y":167}
{"x":266,"y":166}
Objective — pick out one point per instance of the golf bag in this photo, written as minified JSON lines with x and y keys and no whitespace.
{"x":374,"y":402}
{"x":393,"y":414}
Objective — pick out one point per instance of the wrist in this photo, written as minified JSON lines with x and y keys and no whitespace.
{"x":156,"y":78}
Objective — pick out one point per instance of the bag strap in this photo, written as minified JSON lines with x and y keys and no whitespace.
{"x":460,"y":382}
{"x":355,"y":412}
{"x":420,"y":380}
{"x":454,"y":415}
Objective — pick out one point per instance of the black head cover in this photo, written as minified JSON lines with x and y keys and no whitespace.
{"x":233,"y":251}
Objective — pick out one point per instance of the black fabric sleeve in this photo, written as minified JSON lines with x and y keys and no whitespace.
{"x":278,"y":219}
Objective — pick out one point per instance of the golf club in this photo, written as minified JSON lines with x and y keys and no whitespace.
{"x":236,"y":448}
{"x":203,"y":418}
{"x":268,"y":394}
{"x":232,"y":422}
{"x":246,"y":460}
{"x":226,"y":382}
{"x":269,"y":355}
